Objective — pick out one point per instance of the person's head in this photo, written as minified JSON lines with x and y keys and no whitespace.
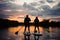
{"x":26,"y":15}
{"x":36,"y":17}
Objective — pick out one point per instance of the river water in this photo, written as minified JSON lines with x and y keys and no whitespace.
{"x":9,"y":33}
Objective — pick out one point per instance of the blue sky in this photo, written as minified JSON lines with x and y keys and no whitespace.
{"x":48,"y":9}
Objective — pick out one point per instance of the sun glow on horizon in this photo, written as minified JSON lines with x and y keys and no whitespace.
{"x":20,"y":17}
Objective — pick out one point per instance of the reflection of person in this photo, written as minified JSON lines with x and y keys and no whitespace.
{"x":36,"y":23}
{"x":26,"y":23}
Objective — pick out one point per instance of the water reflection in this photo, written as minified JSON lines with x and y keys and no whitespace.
{"x":9,"y":34}
{"x":26,"y":37}
{"x":4,"y":34}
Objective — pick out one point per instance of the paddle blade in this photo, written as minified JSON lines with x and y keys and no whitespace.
{"x":16,"y":33}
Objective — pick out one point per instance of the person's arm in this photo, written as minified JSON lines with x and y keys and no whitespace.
{"x":34,"y":21}
{"x":29,"y":19}
{"x":38,"y":20}
{"x":24,"y":20}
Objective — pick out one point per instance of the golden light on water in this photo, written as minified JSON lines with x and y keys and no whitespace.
{"x":50,"y":28}
{"x":21,"y":29}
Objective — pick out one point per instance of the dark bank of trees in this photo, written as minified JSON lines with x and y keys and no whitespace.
{"x":55,"y":24}
{"x":46,"y":23}
{"x":8,"y":23}
{"x":11,"y":23}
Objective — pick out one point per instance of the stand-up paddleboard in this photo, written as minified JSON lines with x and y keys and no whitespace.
{"x":37,"y":33}
{"x":27,"y":33}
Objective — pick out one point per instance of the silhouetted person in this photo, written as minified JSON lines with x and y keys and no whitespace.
{"x":36,"y":24}
{"x":26,"y":23}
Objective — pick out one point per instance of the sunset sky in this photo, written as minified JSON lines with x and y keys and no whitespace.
{"x":18,"y":9}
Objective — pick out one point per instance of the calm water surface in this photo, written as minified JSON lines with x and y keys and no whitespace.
{"x":9,"y":33}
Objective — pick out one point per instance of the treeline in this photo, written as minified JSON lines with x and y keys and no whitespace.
{"x":47,"y":23}
{"x":11,"y":23}
{"x":8,"y":23}
{"x":56,"y":24}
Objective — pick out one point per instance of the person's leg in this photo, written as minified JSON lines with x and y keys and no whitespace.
{"x":25,"y":29}
{"x":28,"y":37}
{"x":38,"y":29}
{"x":35,"y":29}
{"x":25,"y":37}
{"x":29,"y":28}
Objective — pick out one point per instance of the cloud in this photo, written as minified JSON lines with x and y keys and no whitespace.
{"x":50,"y":1}
{"x":46,"y":10}
{"x":58,"y":19}
{"x":41,"y":8}
{"x":8,"y":5}
{"x":3,"y":16}
{"x":33,"y":4}
{"x":28,"y":6}
{"x":55,"y":10}
{"x":57,"y":6}
{"x":5,"y":6}
{"x":42,"y":1}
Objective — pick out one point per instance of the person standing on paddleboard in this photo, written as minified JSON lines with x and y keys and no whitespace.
{"x":36,"y":24}
{"x":27,"y":23}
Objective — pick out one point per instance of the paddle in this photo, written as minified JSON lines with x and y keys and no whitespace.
{"x":18,"y":31}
